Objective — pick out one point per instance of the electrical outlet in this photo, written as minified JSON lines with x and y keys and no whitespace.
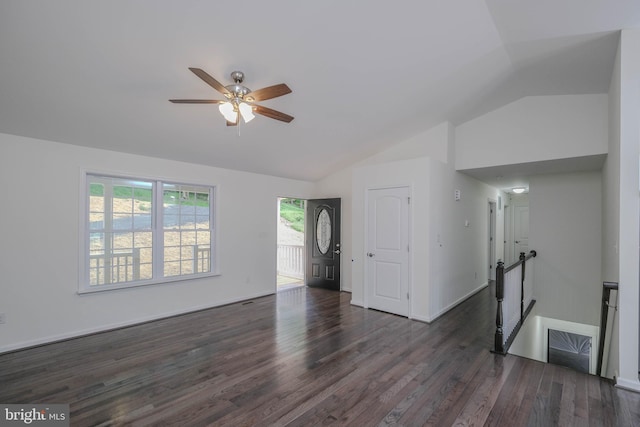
{"x":3,"y":318}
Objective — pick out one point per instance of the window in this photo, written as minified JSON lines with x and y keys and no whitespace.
{"x":141,"y":231}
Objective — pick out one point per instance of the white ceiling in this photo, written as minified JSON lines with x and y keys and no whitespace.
{"x":508,"y":177}
{"x":364,"y":74}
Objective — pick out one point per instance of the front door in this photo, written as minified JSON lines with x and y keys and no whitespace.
{"x":323,"y":243}
{"x":387,"y":257}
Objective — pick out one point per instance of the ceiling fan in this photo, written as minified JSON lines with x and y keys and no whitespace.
{"x":240,"y":100}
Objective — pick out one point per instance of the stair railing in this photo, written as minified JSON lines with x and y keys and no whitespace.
{"x":514,"y":292}
{"x":607,"y":287}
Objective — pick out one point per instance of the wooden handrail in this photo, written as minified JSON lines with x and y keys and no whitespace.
{"x":607,"y":287}
{"x":527,"y":257}
{"x":500,"y":345}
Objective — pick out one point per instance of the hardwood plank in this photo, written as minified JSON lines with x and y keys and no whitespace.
{"x":519,"y":416}
{"x":606,"y":400}
{"x":484,"y":398}
{"x":581,"y":400}
{"x":511,"y":395}
{"x":307,"y":357}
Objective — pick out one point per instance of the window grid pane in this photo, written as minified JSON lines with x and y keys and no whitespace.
{"x":121,"y":216}
{"x":115,"y":253}
{"x":186,"y":209}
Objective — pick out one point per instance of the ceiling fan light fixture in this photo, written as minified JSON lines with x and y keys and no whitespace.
{"x":246,"y":111}
{"x":240,"y":99}
{"x":229,"y":113}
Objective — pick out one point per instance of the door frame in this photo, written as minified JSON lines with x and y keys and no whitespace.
{"x":519,"y":201}
{"x":507,"y":252}
{"x":409,"y":187}
{"x":304,"y":239}
{"x":492,"y":207}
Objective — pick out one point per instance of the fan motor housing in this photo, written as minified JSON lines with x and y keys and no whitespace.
{"x":237,"y":91}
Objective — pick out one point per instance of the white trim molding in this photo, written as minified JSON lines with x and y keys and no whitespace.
{"x":626,"y":384}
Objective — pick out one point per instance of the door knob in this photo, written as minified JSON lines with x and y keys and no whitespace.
{"x":370,"y":255}
{"x":337,"y":252}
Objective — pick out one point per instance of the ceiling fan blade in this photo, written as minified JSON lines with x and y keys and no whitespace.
{"x":269,"y":92}
{"x":210,"y":80}
{"x":231,"y":123}
{"x":196,"y":101}
{"x":272,"y":114}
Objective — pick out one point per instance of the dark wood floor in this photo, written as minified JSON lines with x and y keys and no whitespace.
{"x":306,"y":357}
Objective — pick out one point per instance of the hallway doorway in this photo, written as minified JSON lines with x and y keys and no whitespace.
{"x":290,"y":243}
{"x":491,"y":214}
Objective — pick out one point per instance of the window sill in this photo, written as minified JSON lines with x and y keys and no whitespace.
{"x":115,"y":287}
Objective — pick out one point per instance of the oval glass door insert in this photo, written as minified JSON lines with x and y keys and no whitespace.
{"x":323,"y":231}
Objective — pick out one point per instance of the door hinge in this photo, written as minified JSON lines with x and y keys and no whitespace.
{"x":407,"y":248}
{"x":407,"y":295}
{"x":409,"y":200}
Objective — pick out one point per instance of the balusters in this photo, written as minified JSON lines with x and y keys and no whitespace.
{"x":499,"y":337}
{"x":522,"y":259}
{"x":507,"y":301}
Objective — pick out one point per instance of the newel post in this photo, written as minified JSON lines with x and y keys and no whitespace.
{"x":499,"y":337}
{"x":523,"y":259}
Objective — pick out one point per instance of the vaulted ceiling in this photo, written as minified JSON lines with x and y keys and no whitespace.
{"x":364,"y":74}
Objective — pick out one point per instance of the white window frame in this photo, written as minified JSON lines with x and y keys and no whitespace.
{"x":157,"y":229}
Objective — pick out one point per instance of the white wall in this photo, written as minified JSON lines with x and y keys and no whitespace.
{"x":534,"y":128}
{"x":611,"y":211}
{"x":459,"y":254}
{"x":39,"y":232}
{"x":432,"y":143}
{"x":449,"y":261}
{"x":629,"y":214}
{"x":565,"y":220}
{"x":611,"y":183}
{"x":410,"y":173}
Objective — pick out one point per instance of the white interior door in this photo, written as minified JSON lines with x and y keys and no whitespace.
{"x":387,"y":257}
{"x":492,"y":240}
{"x":507,"y":256}
{"x":521,"y":229}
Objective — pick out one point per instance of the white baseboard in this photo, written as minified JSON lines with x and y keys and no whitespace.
{"x":421,"y":319}
{"x":456,"y":302}
{"x":628,"y":384}
{"x":430,"y":319}
{"x":104,"y":328}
